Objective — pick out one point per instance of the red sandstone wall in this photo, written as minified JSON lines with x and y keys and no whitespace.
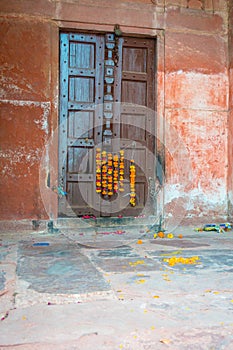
{"x":230,"y":141}
{"x":26,"y":111}
{"x":196,"y":105}
{"x":193,"y":94}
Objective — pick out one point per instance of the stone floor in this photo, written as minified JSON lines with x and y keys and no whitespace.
{"x":89,"y":289}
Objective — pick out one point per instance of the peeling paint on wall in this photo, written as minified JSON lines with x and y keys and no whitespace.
{"x":197,"y":205}
{"x":12,"y":158}
{"x":195,"y":90}
{"x":10,"y":83}
{"x":26,"y":128}
{"x":42,"y":122}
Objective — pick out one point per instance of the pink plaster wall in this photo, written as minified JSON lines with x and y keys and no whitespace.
{"x":196,"y":107}
{"x":230,"y":140}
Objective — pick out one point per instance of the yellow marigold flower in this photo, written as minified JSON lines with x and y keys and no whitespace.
{"x":161,"y":234}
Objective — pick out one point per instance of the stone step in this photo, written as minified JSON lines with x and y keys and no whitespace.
{"x":130,"y":222}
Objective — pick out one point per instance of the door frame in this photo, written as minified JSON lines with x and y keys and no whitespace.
{"x":51,"y":164}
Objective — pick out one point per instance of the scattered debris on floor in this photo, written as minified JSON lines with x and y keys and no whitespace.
{"x":117,"y":232}
{"x":139,"y":241}
{"x":3,"y":317}
{"x":140,"y":281}
{"x":165,"y":341}
{"x":138,"y":262}
{"x":51,"y":228}
{"x":41,"y":244}
{"x":59,"y":190}
{"x":181,"y":260}
{"x":89,"y":217}
{"x":161,"y":234}
{"x":214,"y":227}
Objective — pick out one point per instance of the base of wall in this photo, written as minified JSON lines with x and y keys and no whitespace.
{"x":56,"y":226}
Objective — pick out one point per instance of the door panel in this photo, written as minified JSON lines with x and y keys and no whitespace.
{"x":137,"y":122}
{"x":134,"y":92}
{"x":134,"y":59}
{"x":80,"y":124}
{"x":90,"y":83}
{"x":81,"y":89}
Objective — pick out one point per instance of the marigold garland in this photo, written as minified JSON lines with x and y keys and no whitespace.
{"x":104,"y":173}
{"x":98,"y":170}
{"x":121,"y":172}
{"x":110,"y":171}
{"x":132,"y":177}
{"x":115,"y":172}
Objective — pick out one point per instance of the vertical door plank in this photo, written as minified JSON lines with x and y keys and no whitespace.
{"x":138,"y":118}
{"x":81,"y":95}
{"x":64,"y":60}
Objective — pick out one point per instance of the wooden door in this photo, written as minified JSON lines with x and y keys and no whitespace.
{"x":107,"y":100}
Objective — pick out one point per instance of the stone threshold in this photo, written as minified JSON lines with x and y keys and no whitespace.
{"x":78,"y":223}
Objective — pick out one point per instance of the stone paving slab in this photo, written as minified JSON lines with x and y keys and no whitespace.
{"x":213,"y":259}
{"x":179,"y":243}
{"x":3,"y":254}
{"x":158,"y":307}
{"x":112,"y":326}
{"x":58,"y":269}
{"x":121,"y":252}
{"x":123,"y":259}
{"x":125,"y":265}
{"x":2,"y":280}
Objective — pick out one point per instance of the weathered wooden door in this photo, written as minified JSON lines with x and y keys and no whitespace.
{"x":107,"y":100}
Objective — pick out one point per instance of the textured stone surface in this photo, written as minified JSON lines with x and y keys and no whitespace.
{"x":26,"y":127}
{"x":174,"y":307}
{"x":212,"y":258}
{"x":2,"y":280}
{"x":183,"y":18}
{"x":52,"y":269}
{"x":197,"y":166}
{"x":196,"y":91}
{"x":197,"y":53}
{"x":205,"y":141}
{"x":123,"y":259}
{"x":24,"y":72}
{"x":178,"y":243}
{"x":26,"y":113}
{"x":3,"y":252}
{"x":230,"y":138}
{"x":126,"y":264}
